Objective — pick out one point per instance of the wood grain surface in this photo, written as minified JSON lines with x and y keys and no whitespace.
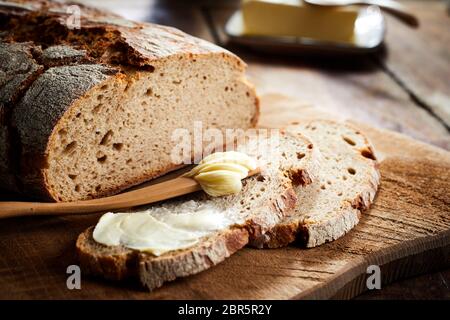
{"x":403,"y":88}
{"x":428,"y":82}
{"x":407,"y":232}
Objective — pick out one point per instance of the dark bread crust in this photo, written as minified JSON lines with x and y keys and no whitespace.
{"x":154,"y":272}
{"x":348,"y":215}
{"x":120,"y":263}
{"x":280,"y":207}
{"x":18,"y":69}
{"x":114,"y":263}
{"x":62,"y":55}
{"x":39,"y":111}
{"x":106,"y":37}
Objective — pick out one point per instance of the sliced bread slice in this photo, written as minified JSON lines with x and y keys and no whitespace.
{"x":346,"y":185}
{"x":264,"y":200}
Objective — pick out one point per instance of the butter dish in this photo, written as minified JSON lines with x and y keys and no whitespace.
{"x":369,"y":31}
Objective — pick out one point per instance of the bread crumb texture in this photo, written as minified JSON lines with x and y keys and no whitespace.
{"x":265,"y":199}
{"x":91,"y":111}
{"x":345,"y":186}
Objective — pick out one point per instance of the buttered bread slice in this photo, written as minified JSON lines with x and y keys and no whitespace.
{"x":345,"y":186}
{"x":199,"y":231}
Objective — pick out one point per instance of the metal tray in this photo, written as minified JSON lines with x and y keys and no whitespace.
{"x":370,"y":28}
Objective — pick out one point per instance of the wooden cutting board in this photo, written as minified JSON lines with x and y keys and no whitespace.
{"x":407,"y":232}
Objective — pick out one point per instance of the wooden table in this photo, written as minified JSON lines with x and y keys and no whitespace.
{"x":405,"y":87}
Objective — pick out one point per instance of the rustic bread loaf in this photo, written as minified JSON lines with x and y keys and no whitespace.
{"x":264,"y":200}
{"x":17,"y":70}
{"x":345,"y":186}
{"x":97,"y":114}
